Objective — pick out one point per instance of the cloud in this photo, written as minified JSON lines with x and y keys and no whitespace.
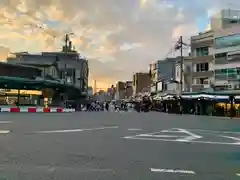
{"x":118,"y":36}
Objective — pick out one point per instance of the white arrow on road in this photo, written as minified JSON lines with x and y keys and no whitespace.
{"x":180,"y":135}
{"x":189,"y":138}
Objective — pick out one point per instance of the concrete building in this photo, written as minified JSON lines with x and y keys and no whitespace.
{"x":227,"y":58}
{"x":141,"y":82}
{"x":128,"y":89}
{"x":212,"y":51}
{"x":120,"y":90}
{"x":22,"y":71}
{"x":163,"y":69}
{"x":70,"y":68}
{"x":226,"y":18}
{"x":202,"y":60}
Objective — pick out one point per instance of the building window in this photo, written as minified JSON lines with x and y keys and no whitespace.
{"x":229,"y":73}
{"x":202,"y":67}
{"x":227,"y":41}
{"x":201,"y":81}
{"x":202,"y":51}
{"x":220,"y":56}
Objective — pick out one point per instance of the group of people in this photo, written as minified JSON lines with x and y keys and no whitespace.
{"x":110,"y":106}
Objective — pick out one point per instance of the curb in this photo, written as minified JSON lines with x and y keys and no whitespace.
{"x":36,"y":110}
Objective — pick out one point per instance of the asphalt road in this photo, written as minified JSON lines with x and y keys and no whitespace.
{"x":121,"y":146}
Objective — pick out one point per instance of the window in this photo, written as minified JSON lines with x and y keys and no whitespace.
{"x":201,"y":81}
{"x":229,"y":73}
{"x":227,"y":41}
{"x":220,"y":55}
{"x":202,"y":51}
{"x":198,"y":68}
{"x":202,"y":67}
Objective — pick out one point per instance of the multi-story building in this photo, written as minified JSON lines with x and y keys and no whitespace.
{"x":226,"y":18}
{"x":71,"y":68}
{"x":141,"y":82}
{"x":226,"y":25}
{"x":128,"y":89}
{"x":227,"y":58}
{"x":202,"y":60}
{"x":163,"y":69}
{"x":120,"y":90}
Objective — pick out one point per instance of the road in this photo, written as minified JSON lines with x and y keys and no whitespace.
{"x":121,"y":146}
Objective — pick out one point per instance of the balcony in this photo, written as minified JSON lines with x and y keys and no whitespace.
{"x":202,"y":43}
{"x":199,"y":59}
{"x":202,"y":74}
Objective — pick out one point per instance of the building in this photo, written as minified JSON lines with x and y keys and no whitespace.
{"x":214,"y":54}
{"x":22,"y":71}
{"x":128,"y":89}
{"x":69,"y":68}
{"x":162,"y":72}
{"x":226,"y":18}
{"x":141,"y":82}
{"x":120,"y":90}
{"x":227,"y":58}
{"x":202,"y":60}
{"x":163,"y":69}
{"x":102,"y":96}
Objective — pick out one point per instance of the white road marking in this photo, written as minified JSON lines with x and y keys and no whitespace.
{"x":5,"y":122}
{"x":159,"y":136}
{"x":238,"y":174}
{"x":171,"y":140}
{"x":60,"y":131}
{"x":76,"y":130}
{"x":214,"y":131}
{"x":233,"y":138}
{"x":4,"y":131}
{"x":191,"y":136}
{"x":172,"y":171}
{"x":173,"y":130}
{"x":134,"y":129}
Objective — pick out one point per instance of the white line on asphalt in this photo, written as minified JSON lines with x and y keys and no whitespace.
{"x":238,"y":174}
{"x":4,"y":131}
{"x":172,"y":140}
{"x":159,"y":136}
{"x":76,"y":130}
{"x":189,"y":138}
{"x":133,"y":129}
{"x":172,"y":171}
{"x":214,"y":131}
{"x":5,"y":122}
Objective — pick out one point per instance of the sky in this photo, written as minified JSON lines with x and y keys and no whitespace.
{"x":118,"y":37}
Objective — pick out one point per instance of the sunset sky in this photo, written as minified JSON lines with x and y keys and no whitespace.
{"x":119,"y":37}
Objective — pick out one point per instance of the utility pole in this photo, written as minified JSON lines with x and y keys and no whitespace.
{"x":179,"y":46}
{"x":181,"y":64}
{"x":65,"y":52}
